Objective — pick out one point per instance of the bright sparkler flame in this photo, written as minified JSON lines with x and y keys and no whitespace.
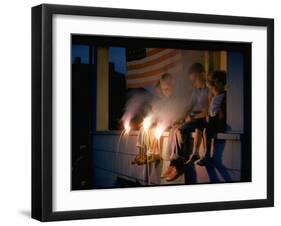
{"x":158,"y":132}
{"x":147,"y":123}
{"x":127,"y":127}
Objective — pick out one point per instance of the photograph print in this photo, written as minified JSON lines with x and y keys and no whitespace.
{"x":159,"y":112}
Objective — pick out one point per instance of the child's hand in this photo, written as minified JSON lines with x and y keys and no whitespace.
{"x":188,"y":118}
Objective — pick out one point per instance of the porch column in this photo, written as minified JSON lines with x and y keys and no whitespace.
{"x":102,"y":89}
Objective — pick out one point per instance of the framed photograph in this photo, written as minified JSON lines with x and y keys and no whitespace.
{"x":146,"y":112}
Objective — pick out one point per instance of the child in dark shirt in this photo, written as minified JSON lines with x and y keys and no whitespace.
{"x":216,"y":119}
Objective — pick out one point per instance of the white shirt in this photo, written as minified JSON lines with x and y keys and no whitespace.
{"x":199,"y":100}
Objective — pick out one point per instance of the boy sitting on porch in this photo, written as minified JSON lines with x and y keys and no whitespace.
{"x":216,"y":119}
{"x":146,"y":141}
{"x":195,"y":121}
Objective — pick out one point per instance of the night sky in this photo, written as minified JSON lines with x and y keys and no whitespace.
{"x":116,"y":56}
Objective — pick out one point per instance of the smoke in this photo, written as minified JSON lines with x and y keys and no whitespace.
{"x":170,"y":110}
{"x":164,"y":111}
{"x":137,"y":101}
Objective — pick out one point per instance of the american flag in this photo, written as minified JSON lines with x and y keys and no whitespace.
{"x":145,"y":66}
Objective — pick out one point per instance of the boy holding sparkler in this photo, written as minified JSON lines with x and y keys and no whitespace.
{"x":195,"y":121}
{"x":147,"y":142}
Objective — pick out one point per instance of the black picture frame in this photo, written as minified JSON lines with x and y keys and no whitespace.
{"x":42,"y":111}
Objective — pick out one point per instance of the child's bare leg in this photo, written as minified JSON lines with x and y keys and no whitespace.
{"x":196,"y":145}
{"x":207,"y":146}
{"x":140,"y":158}
{"x":154,"y":154}
{"x":197,"y":142}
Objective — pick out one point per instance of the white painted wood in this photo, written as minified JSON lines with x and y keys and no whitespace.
{"x":112,"y":162}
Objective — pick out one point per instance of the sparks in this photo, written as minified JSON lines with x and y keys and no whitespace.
{"x":127,"y":127}
{"x":147,"y":123}
{"x":158,"y":132}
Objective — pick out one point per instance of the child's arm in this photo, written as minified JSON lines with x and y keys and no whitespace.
{"x":191,"y":104}
{"x":201,"y":114}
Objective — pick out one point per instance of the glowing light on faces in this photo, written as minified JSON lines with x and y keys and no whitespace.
{"x":158,"y":132}
{"x":147,"y":123}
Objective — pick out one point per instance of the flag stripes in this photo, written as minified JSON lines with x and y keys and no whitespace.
{"x":148,"y":70}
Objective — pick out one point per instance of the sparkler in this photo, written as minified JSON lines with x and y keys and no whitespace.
{"x":147,"y":123}
{"x":127,"y":127}
{"x":124,"y":132}
{"x":158,"y":132}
